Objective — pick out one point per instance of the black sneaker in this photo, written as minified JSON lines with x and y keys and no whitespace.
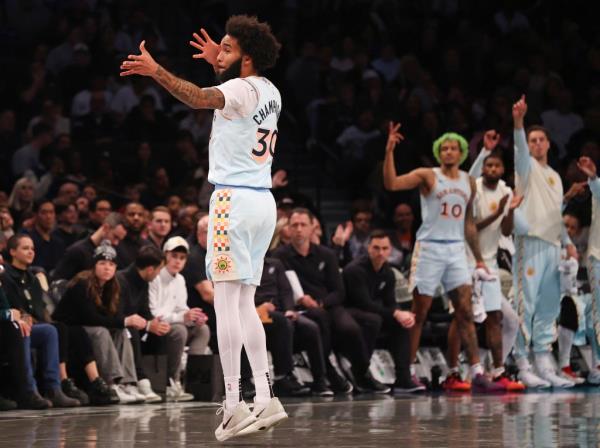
{"x":288,"y":386}
{"x":100,"y":394}
{"x":368,"y":384}
{"x":320,"y":389}
{"x":338,"y":383}
{"x":71,"y":390}
{"x":60,"y":400}
{"x":7,"y":405}
{"x":34,"y":401}
{"x":407,"y":386}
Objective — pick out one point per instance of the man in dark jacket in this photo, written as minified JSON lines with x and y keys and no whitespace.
{"x":134,"y":282}
{"x":370,"y":285}
{"x":317,"y":269}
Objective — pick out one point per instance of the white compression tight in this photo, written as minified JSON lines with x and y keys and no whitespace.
{"x":238,"y":324}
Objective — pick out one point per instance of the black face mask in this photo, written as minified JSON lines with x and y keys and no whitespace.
{"x":234,"y":71}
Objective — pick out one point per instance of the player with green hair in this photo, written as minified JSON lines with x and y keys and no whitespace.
{"x":439,"y":256}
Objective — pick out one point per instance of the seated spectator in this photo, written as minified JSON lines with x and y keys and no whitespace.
{"x":25,"y":294}
{"x":20,"y":201}
{"x":186,"y":221}
{"x":14,"y":334}
{"x":135,"y":222}
{"x":134,"y":282}
{"x":27,"y":158}
{"x":160,"y":226}
{"x":362,"y":216}
{"x":318,"y":272}
{"x":287,"y":331}
{"x":168,"y":302}
{"x":282,"y":234}
{"x":49,"y":248}
{"x":201,"y":293}
{"x":98,"y":210}
{"x":370,"y":287}
{"x":92,"y":300}
{"x":67,"y":225}
{"x":6,"y":226}
{"x":80,"y":256}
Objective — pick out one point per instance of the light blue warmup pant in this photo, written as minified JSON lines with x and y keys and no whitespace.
{"x":537,"y":294}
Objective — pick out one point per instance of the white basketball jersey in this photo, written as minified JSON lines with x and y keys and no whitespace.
{"x":443,"y":209}
{"x":241,"y":149}
{"x":486,"y":203}
{"x":541,"y":207}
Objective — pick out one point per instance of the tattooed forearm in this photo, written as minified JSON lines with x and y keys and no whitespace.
{"x":471,"y":235}
{"x":188,"y":93}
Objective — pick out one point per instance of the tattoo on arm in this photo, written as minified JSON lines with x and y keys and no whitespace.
{"x":189,"y":93}
{"x":471,"y":234}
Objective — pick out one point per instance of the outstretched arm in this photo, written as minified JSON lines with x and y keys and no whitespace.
{"x":588,"y":167}
{"x":391,"y":180}
{"x":186,"y":92}
{"x":522,"y":157}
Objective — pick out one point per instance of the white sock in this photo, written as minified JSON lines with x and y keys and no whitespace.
{"x":262,"y":382}
{"x":565,"y":342}
{"x":510,"y":328}
{"x":233,"y":392}
{"x":452,"y":370}
{"x":476,"y":369}
{"x":413,"y":370}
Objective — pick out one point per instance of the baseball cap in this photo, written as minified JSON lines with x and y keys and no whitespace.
{"x":175,"y":242}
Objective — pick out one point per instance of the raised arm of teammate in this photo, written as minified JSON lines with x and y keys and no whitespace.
{"x":421,"y":177}
{"x":522,"y":156}
{"x":490,"y":141}
{"x":185,"y":91}
{"x":588,"y":167}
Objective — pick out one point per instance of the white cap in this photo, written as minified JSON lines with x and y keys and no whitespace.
{"x":175,"y":242}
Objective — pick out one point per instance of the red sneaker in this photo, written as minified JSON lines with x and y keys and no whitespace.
{"x":567,"y":373}
{"x":509,"y":384}
{"x":454,"y":383}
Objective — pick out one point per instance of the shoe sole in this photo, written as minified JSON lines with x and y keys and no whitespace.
{"x":236,"y":430}
{"x":153,"y":400}
{"x":409,"y":390}
{"x":262,"y":424}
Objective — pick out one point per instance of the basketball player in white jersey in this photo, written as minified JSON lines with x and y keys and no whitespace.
{"x":242,"y":209}
{"x":494,"y":214}
{"x":537,"y":257}
{"x":439,"y":255}
{"x":588,"y":167}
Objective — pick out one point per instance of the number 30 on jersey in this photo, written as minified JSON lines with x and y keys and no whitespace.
{"x":266,"y":140}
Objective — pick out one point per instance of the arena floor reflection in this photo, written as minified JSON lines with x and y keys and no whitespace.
{"x":565,"y":418}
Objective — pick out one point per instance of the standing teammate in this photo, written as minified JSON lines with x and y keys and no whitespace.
{"x":494,"y":212}
{"x":537,"y":257}
{"x":439,"y":256}
{"x":242,"y":209}
{"x":588,"y":167}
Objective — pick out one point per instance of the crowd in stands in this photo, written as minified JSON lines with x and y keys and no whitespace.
{"x":104,"y":196}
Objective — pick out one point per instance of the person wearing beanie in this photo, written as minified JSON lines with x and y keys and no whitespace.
{"x":168,"y":303}
{"x":92,"y":300}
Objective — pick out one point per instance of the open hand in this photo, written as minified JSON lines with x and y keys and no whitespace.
{"x":515,"y":201}
{"x":576,"y":188}
{"x":142,"y":64}
{"x":209,"y":49}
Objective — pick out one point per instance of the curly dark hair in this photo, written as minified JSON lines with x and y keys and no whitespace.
{"x":255,"y":39}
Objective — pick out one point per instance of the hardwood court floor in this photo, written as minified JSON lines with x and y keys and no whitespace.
{"x":563,"y":418}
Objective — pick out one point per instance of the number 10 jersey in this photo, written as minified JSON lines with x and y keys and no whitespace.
{"x":443,"y":209}
{"x":242,"y":146}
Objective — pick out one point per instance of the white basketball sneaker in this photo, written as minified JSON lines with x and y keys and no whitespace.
{"x":267,"y":415}
{"x":234,"y":421}
{"x":531,"y":380}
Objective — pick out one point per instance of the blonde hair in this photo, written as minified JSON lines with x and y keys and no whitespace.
{"x":276,"y":241}
{"x":13,"y":201}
